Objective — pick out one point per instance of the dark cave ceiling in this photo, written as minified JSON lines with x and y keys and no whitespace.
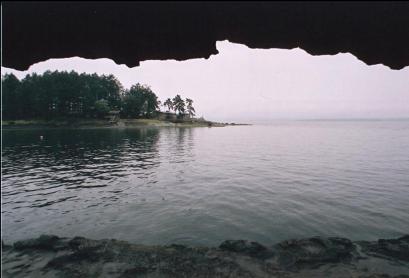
{"x":130,"y":32}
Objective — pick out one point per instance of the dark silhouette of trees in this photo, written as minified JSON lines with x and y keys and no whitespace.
{"x":58,"y":94}
{"x":10,"y":88}
{"x":55,"y":95}
{"x":189,"y":107}
{"x":168,"y":104}
{"x":101,"y":108}
{"x":178,"y":104}
{"x":139,"y":101}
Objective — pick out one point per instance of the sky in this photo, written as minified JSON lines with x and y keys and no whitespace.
{"x":261,"y":85}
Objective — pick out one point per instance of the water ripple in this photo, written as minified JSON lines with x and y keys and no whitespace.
{"x":203,"y":185}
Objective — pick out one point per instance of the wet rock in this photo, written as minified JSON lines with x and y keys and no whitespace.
{"x":81,"y":243}
{"x":390,"y":248}
{"x":5,"y":246}
{"x":178,"y":247}
{"x":50,"y":256}
{"x":384,"y":276}
{"x":249,"y":248}
{"x":45,"y":242}
{"x":314,"y":251}
{"x":133,"y":272}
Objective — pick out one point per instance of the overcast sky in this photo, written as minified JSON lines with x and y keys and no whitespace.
{"x":242,"y":84}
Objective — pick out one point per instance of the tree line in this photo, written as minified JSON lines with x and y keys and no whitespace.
{"x":180,"y":106}
{"x":69,"y":94}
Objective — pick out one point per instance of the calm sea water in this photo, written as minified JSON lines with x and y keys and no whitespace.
{"x":204,"y":185}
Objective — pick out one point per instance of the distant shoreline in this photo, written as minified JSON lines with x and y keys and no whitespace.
{"x":95,"y":123}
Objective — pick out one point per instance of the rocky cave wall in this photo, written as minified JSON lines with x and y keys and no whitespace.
{"x":130,"y":32}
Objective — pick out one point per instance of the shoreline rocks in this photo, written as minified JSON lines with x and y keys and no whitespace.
{"x":97,"y":123}
{"x":52,"y":256}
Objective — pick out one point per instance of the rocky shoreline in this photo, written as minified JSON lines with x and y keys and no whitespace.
{"x":51,"y":256}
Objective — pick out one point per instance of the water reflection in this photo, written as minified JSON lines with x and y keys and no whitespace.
{"x":204,"y":185}
{"x":68,"y":162}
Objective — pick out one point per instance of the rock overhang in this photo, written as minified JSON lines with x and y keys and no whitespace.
{"x":131,"y":32}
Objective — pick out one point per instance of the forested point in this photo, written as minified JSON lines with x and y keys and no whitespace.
{"x":55,"y":95}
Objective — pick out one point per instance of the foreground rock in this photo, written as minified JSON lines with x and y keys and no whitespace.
{"x":51,"y":256}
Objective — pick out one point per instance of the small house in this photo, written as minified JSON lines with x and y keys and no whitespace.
{"x":166,"y":116}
